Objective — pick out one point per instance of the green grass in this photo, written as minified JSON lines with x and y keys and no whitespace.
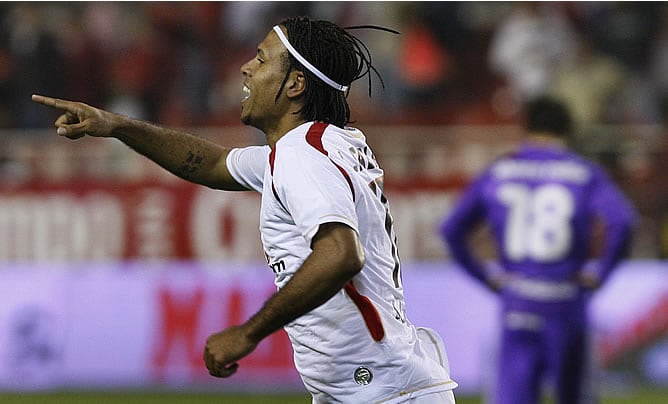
{"x":149,"y":398}
{"x":99,"y":397}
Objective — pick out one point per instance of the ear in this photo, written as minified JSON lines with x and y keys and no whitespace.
{"x":296,"y":84}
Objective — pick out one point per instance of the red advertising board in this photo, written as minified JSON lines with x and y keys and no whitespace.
{"x":111,"y":221}
{"x":174,"y":220}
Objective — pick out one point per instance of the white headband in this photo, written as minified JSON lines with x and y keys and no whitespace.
{"x":305,"y":62}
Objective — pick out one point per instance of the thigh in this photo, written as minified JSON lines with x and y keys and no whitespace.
{"x":520,"y":367}
{"x":568,"y":358}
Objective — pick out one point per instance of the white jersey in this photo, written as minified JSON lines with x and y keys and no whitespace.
{"x":358,"y":346}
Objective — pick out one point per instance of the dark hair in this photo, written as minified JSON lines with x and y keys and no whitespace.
{"x":546,"y":114}
{"x":336,"y":53}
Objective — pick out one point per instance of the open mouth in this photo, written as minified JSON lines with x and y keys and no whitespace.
{"x":246,"y":93}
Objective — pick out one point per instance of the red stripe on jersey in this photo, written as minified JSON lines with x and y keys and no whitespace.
{"x":369,"y":312}
{"x":272,"y":157}
{"x":314,"y":138}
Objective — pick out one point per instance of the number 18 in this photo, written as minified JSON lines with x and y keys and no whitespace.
{"x":538,"y":225}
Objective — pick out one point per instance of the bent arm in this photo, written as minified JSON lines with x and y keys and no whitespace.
{"x":619,"y":219}
{"x":187,"y":156}
{"x":456,"y":229}
{"x":336,"y":258}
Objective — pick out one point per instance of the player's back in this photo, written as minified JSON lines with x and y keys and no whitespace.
{"x":539,"y":203}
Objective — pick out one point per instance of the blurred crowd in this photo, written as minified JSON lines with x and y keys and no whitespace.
{"x":454,"y":64}
{"x":178,"y":63}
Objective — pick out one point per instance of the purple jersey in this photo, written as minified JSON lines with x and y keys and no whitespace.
{"x":540,"y":203}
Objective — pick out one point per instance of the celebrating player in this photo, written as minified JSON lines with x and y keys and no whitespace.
{"x":540,"y":203}
{"x":325,"y":223}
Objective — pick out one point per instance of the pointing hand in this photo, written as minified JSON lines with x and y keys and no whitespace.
{"x":79,"y":119}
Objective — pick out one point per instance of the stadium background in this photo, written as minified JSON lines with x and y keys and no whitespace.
{"x":112,"y":271}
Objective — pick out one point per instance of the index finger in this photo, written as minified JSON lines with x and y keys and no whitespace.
{"x":54,"y":102}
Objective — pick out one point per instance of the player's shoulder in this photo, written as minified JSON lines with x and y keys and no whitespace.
{"x":255,"y":149}
{"x":500,"y":160}
{"x":301,"y":147}
{"x":587,"y":162}
{"x":319,"y":137}
{"x":248,"y":154}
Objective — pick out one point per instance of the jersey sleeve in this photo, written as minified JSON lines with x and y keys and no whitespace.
{"x":247,"y":165}
{"x":314,"y":190}
{"x":455,"y":229}
{"x":619,"y":217}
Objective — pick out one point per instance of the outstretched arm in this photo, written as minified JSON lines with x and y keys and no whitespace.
{"x":187,"y":156}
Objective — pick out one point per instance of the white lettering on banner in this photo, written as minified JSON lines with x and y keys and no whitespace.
{"x":162,"y":222}
{"x":154,"y":224}
{"x":225,"y":225}
{"x":59,"y":226}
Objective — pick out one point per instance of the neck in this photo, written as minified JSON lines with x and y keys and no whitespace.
{"x":545,"y":139}
{"x":276,"y":132}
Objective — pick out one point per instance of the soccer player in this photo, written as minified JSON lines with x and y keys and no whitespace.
{"x":540,"y":203}
{"x":325,"y":223}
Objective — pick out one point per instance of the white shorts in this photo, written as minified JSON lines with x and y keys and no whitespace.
{"x":433,"y":344}
{"x":441,"y":397}
{"x":437,"y":397}
{"x":431,"y":340}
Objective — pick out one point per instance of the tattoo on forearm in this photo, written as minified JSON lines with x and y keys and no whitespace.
{"x":192,"y":164}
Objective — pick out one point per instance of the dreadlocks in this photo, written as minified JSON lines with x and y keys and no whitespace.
{"x":339,"y":55}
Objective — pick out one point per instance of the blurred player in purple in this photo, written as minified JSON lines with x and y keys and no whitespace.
{"x":541,"y":203}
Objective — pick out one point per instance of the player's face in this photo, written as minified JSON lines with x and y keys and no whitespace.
{"x":263,"y":78}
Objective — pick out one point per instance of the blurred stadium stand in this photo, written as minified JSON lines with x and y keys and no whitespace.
{"x":449,"y":103}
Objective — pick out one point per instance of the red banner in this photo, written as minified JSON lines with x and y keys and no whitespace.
{"x":109,"y":221}
{"x":84,"y":221}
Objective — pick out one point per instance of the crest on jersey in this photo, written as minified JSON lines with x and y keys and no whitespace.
{"x":363,"y":375}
